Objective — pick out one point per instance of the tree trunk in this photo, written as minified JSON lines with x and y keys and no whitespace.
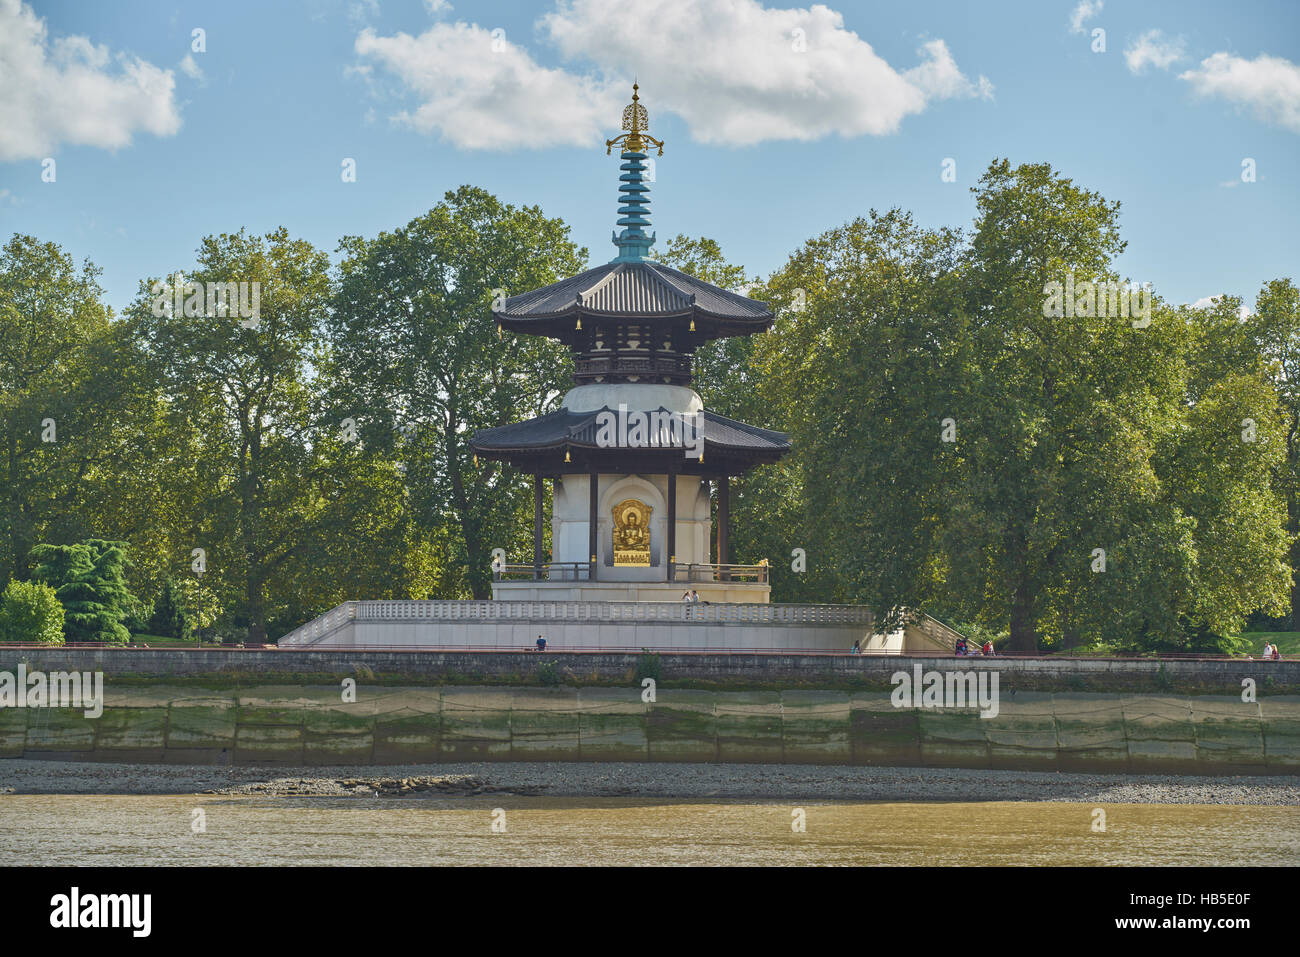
{"x":1024,"y":639}
{"x":480,"y":580}
{"x":1292,"y":526}
{"x":251,"y":535}
{"x":17,"y":565}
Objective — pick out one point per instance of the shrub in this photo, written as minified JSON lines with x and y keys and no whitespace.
{"x":30,"y":612}
{"x":548,"y":674}
{"x":89,"y":579}
{"x":647,"y":666}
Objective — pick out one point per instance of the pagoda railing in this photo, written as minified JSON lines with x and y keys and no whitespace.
{"x":684,"y":572}
{"x":678,"y":367}
{"x":714,"y":572}
{"x":550,"y":571}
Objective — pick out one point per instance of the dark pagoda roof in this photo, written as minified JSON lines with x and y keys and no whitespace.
{"x":729,"y":446}
{"x":633,"y":291}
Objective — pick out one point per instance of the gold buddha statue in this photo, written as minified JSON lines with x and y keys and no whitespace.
{"x":632,"y":532}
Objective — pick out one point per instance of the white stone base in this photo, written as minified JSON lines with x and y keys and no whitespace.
{"x":604,"y":625}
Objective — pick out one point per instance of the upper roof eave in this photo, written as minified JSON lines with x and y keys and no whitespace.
{"x":678,"y":293}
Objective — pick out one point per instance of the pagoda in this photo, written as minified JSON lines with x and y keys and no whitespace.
{"x":634,"y":458}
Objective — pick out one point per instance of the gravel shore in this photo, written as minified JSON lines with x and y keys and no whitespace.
{"x":743,"y":781}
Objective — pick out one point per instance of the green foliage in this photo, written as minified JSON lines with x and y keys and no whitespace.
{"x":648,"y":666}
{"x":1174,"y":447}
{"x":30,"y":612}
{"x":1071,"y":433}
{"x":169,"y":619}
{"x":976,"y":634}
{"x":291,"y":514}
{"x":548,"y":674}
{"x":70,"y":401}
{"x":1274,"y":336}
{"x":416,"y":361}
{"x":89,"y":579}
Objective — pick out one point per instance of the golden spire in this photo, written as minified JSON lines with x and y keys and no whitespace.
{"x":635,"y":121}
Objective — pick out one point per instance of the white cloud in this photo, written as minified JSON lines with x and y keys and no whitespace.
{"x":191,"y":68}
{"x":65,"y":91}
{"x":938,"y":77}
{"x":734,"y":71}
{"x":1269,"y":86}
{"x":1086,"y":10}
{"x":362,"y":11}
{"x":1153,"y":48}
{"x":479,"y":98}
{"x":739,"y":73}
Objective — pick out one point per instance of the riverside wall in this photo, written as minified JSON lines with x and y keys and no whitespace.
{"x":280,"y":707}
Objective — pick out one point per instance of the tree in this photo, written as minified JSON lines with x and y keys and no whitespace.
{"x":418,"y":365}
{"x":962,"y":447}
{"x":274,"y":495}
{"x":169,"y":619}
{"x":89,"y":579}
{"x":861,"y":369}
{"x":70,"y":398}
{"x":1274,"y":329}
{"x":720,"y":368}
{"x":30,"y":612}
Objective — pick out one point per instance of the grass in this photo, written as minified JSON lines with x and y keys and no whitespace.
{"x":1288,"y":641}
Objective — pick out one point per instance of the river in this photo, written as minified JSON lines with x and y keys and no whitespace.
{"x":118,"y":830}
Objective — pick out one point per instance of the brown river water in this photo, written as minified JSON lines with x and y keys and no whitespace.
{"x":117,"y":830}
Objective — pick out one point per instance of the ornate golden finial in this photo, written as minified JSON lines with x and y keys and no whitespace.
{"x":635,"y":120}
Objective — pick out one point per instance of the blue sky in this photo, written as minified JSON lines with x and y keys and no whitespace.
{"x":767,"y":144}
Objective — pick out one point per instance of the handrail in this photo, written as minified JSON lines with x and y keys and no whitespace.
{"x":717,"y":572}
{"x":547,"y":571}
{"x":941,"y":633}
{"x":322,"y":627}
{"x":581,"y":571}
